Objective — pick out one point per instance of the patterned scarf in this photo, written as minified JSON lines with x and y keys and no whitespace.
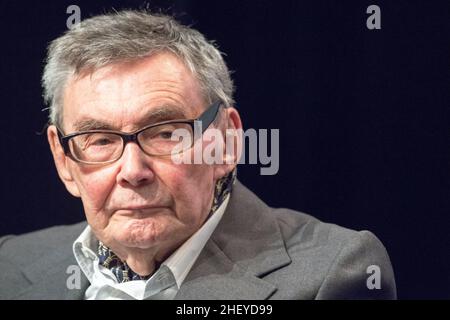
{"x":122,"y":271}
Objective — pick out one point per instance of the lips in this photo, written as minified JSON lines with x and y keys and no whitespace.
{"x":145,"y":207}
{"x":140,"y":210}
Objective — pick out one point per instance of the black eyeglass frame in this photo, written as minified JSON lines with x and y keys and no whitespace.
{"x":206,"y":118}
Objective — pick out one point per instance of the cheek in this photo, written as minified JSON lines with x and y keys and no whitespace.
{"x":95,"y":187}
{"x":191,"y":187}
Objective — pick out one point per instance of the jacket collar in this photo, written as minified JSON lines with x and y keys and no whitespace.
{"x":246,"y":245}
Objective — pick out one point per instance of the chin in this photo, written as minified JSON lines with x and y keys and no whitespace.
{"x":140,"y":233}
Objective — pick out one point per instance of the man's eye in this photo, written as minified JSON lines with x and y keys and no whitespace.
{"x":165,"y":135}
{"x":102,"y":142}
{"x":99,"y":142}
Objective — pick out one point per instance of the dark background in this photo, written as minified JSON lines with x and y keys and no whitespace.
{"x":363,"y":116}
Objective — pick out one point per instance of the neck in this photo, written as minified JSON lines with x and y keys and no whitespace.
{"x":144,"y":262}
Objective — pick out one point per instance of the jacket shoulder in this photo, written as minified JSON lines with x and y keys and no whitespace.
{"x":296,"y":225}
{"x":343,"y":260}
{"x":22,"y":249}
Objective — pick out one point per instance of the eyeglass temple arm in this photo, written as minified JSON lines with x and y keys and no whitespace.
{"x":62,"y":141}
{"x":209,"y":115}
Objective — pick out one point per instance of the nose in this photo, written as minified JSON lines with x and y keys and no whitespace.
{"x":135,"y":170}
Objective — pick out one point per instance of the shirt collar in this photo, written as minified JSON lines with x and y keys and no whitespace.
{"x":182,"y":260}
{"x":179,"y":262}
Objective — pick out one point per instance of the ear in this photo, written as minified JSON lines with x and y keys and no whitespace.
{"x":233,"y":143}
{"x":61,"y":162}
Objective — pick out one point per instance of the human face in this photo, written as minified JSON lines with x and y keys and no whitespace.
{"x":138,"y":201}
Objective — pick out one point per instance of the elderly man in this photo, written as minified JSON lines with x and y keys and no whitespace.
{"x":120,"y":86}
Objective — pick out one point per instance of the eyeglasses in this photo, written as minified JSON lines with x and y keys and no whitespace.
{"x":160,"y":139}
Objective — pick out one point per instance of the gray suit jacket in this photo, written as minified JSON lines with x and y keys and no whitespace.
{"x":256,"y":252}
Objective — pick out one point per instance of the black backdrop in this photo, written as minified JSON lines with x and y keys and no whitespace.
{"x":363,"y":116}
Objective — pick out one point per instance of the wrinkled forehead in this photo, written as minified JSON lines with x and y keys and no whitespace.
{"x":125,"y":96}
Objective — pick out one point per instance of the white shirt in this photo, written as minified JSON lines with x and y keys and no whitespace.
{"x":163,"y":284}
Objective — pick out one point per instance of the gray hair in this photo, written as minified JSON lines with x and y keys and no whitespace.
{"x":128,"y":36}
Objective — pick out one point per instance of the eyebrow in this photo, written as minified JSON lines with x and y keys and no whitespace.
{"x":158,"y":114}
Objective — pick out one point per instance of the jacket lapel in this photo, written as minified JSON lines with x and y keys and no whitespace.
{"x":49,"y":278}
{"x":215,"y":277}
{"x":246,"y":246}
